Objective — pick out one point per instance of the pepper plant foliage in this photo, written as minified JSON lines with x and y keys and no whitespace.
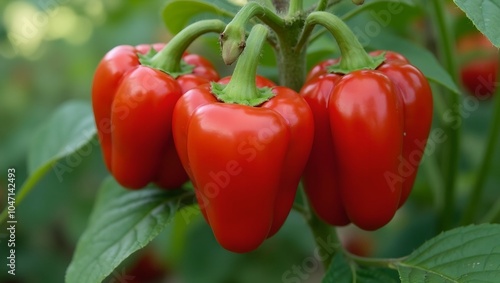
{"x":125,"y":221}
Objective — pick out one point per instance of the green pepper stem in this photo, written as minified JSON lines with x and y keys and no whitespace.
{"x":354,"y":57}
{"x":233,"y":37}
{"x":322,"y":5}
{"x":169,"y":58}
{"x":242,"y":88}
{"x":295,"y":6}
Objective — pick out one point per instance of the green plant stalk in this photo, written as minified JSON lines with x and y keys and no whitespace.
{"x":322,"y":5}
{"x":493,"y":215}
{"x":291,"y":63}
{"x":170,"y":57}
{"x":433,"y":172}
{"x":233,"y":37}
{"x":26,"y":188}
{"x":440,"y":107}
{"x":486,"y":162}
{"x":375,"y":262}
{"x":296,"y":6}
{"x":242,"y":88}
{"x":304,"y":38}
{"x":344,"y":18}
{"x":452,"y":151}
{"x":322,"y":232}
{"x":268,"y":4}
{"x":354,"y":57}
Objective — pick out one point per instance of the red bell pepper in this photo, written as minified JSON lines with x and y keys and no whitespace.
{"x":245,"y":157}
{"x":133,"y":97}
{"x":371,"y":127}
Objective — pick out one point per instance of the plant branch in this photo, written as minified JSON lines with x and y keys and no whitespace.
{"x":374,"y":262}
{"x":234,"y":35}
{"x":295,"y":7}
{"x":26,"y":188}
{"x":485,"y":165}
{"x":434,"y":175}
{"x":354,"y":57}
{"x":323,"y":234}
{"x":322,"y":5}
{"x":321,"y":231}
{"x":446,"y":51}
{"x":170,"y":57}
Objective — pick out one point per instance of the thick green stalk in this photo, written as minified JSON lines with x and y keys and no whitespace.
{"x":485,"y":167}
{"x":233,"y":36}
{"x":322,"y":4}
{"x":242,"y":88}
{"x":452,"y":151}
{"x":296,"y":6}
{"x":354,"y":57}
{"x":291,"y":62}
{"x":169,"y":58}
{"x":324,"y":234}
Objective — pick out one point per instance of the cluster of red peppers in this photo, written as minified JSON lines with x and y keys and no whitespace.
{"x":354,"y":135}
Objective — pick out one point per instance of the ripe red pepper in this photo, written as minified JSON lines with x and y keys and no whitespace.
{"x":245,"y":161}
{"x":371,"y":126}
{"x":133,"y":97}
{"x":133,"y":107}
{"x":478,"y":72}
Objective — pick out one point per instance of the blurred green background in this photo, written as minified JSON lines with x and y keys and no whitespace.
{"x":48,"y":53}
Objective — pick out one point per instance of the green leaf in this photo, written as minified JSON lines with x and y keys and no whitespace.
{"x":485,"y":14}
{"x":338,"y":271}
{"x":342,"y":271}
{"x":177,"y":13}
{"x":69,"y":129}
{"x":122,"y":222}
{"x":465,"y":254}
{"x":418,"y":56}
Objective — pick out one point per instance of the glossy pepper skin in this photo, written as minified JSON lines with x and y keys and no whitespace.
{"x":371,"y":127}
{"x":245,"y":162}
{"x":133,"y":107}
